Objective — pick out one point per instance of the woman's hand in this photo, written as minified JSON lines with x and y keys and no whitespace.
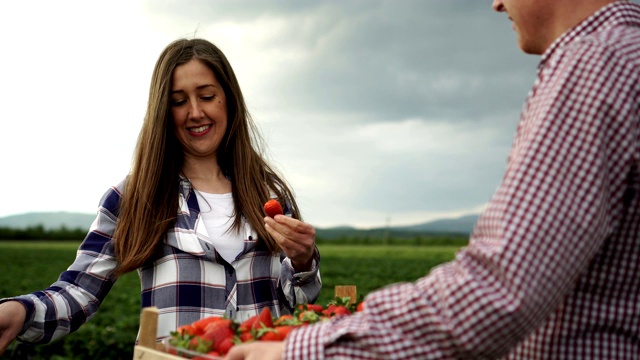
{"x":258,"y":350}
{"x":12,"y":317}
{"x":296,"y":238}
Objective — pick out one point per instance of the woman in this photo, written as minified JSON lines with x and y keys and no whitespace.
{"x":188,"y":217}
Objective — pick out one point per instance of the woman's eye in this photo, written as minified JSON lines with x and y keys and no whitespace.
{"x":207,"y":97}
{"x":178,"y":102}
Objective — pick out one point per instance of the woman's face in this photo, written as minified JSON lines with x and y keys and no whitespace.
{"x":199,"y":109}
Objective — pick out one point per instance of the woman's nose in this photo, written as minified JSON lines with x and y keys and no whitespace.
{"x":195,"y":112}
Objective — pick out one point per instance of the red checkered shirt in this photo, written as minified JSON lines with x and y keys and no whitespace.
{"x":552,"y":269}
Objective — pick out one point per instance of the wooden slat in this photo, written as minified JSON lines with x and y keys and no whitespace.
{"x":347,"y":290}
{"x":148,"y":327}
{"x":143,"y":353}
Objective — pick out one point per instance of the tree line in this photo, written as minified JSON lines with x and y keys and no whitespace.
{"x":39,"y":232}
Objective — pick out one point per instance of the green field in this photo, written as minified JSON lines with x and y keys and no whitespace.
{"x":32,"y":266}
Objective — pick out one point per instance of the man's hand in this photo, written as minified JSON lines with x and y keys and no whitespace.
{"x":258,"y":350}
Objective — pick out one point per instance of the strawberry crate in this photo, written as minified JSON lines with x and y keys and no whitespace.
{"x":149,"y":348}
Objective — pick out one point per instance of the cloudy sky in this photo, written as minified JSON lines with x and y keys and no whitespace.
{"x":377,"y":112}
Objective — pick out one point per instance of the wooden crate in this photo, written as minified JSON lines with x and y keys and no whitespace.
{"x":143,"y":353}
{"x":149,"y":349}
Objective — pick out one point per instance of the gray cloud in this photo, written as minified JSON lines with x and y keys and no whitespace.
{"x":386,"y":59}
{"x":344,"y":66}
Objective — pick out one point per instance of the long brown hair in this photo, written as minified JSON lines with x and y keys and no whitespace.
{"x":149,"y":204}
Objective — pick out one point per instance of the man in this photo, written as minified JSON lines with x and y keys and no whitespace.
{"x":552,"y":268}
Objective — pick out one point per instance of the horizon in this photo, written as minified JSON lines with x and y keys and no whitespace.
{"x":389,"y":226}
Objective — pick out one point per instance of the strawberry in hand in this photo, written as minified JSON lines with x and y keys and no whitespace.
{"x":273,"y":208}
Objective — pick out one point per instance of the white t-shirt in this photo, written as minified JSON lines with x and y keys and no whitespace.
{"x":217,"y":211}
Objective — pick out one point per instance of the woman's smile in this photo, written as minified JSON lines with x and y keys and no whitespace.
{"x":199,"y":130}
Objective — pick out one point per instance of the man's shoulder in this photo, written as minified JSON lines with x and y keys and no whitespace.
{"x":619,"y":45}
{"x":619,"y":33}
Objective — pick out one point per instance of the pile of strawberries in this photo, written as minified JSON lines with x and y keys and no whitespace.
{"x":214,"y":336}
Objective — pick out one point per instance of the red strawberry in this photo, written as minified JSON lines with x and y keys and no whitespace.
{"x":199,"y":325}
{"x":270,"y":335}
{"x":283,"y":331}
{"x":341,"y":310}
{"x":313,"y":307}
{"x":225,"y":345}
{"x":187,"y":330}
{"x":278,"y":333}
{"x":217,"y":332}
{"x":247,"y":324}
{"x":333,"y":310}
{"x":246,"y":336}
{"x":360,"y":306}
{"x":272,"y":208}
{"x":265,"y":319}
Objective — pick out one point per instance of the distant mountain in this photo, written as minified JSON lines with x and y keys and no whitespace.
{"x":55,"y":220}
{"x":48,"y":220}
{"x":462,"y":224}
{"x":458,"y":226}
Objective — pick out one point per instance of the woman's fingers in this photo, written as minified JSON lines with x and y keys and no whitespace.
{"x":295,"y":238}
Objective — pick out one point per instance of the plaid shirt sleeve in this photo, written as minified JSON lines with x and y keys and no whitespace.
{"x":557,"y":246}
{"x":75,"y":297}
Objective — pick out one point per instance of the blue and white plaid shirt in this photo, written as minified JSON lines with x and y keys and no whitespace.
{"x":189,"y":280}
